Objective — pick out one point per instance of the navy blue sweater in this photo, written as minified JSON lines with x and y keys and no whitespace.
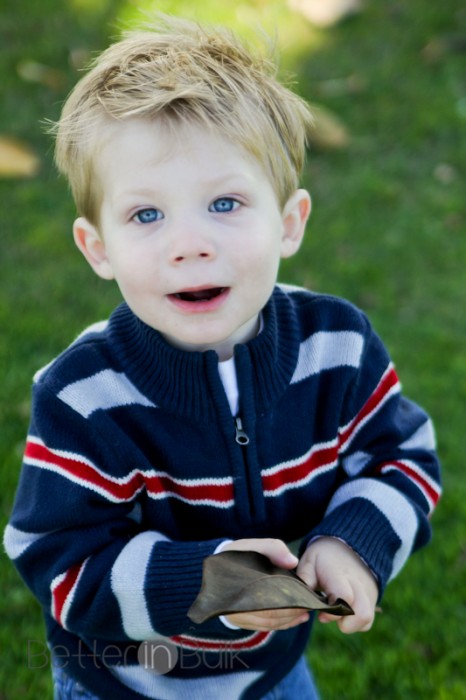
{"x":132,"y":476}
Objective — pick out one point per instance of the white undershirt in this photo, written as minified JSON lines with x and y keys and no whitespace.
{"x":227,"y":371}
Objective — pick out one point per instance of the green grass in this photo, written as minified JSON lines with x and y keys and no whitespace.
{"x":387,"y":232}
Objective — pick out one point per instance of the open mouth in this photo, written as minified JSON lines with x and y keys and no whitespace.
{"x":200,"y":295}
{"x":200,"y":300}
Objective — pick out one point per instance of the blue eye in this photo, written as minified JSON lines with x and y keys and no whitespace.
{"x":147,"y":216}
{"x":224,"y":205}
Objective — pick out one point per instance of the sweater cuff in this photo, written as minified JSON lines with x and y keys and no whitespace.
{"x":173,"y":581}
{"x":367,"y":531}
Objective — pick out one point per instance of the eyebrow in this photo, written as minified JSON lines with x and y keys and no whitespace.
{"x":236,"y":180}
{"x":140,"y":193}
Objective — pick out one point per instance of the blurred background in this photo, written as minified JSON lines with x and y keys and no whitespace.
{"x":386,"y":166}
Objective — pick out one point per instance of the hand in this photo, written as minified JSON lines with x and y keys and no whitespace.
{"x":331,"y":566}
{"x":266,"y":620}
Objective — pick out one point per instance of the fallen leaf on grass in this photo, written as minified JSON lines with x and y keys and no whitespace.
{"x":17,"y":159}
{"x":325,"y":13}
{"x":353,"y":84}
{"x":328,"y":132}
{"x":80,"y":58}
{"x":440,"y":47}
{"x":44,"y":75}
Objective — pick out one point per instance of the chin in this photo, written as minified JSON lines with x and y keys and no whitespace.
{"x":198,"y":343}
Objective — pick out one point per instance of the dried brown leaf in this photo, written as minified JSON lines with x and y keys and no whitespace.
{"x":246,"y":581}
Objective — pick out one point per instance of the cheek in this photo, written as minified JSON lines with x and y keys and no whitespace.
{"x":261,"y":245}
{"x":265,"y":256}
{"x":130,"y":261}
{"x":259,"y":272}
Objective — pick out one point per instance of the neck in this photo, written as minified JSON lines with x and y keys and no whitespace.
{"x":224,"y":348}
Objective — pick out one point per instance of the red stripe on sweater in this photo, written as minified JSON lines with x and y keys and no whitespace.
{"x":327,"y":454}
{"x":388,"y":382}
{"x":163,"y":485}
{"x":249,"y":643}
{"x":414,"y":475}
{"x":157,"y":485}
{"x":299,"y":472}
{"x":62,"y":589}
{"x":81,"y":471}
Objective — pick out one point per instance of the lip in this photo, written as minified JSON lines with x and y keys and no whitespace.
{"x":201,"y":305}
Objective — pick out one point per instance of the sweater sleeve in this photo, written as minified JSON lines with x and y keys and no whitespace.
{"x":390,"y":473}
{"x":77,"y":538}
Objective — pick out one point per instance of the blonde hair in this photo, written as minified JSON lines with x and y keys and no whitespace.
{"x":183,"y":73}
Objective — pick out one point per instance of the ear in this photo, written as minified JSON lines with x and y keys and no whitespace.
{"x":295,"y":215}
{"x":92,"y":246}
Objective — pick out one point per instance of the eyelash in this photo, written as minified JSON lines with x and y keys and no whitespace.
{"x":231,"y":200}
{"x":138,"y":217}
{"x":141,"y":212}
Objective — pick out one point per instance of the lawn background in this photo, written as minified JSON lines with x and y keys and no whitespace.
{"x":387,"y":232}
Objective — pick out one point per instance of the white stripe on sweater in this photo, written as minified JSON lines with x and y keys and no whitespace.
{"x":394,"y":506}
{"x":104,"y":390}
{"x":327,"y":350}
{"x":423,"y":438}
{"x":95,"y":328}
{"x":228,"y":686}
{"x":127,"y":582}
{"x":17,"y":541}
{"x":354,"y":463}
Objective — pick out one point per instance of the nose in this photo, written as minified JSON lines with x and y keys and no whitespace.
{"x":189,"y":245}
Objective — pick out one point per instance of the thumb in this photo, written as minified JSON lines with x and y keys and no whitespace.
{"x":274,"y":549}
{"x":278,"y":552}
{"x":307,"y":572}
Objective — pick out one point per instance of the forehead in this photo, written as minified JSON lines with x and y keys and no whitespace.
{"x":137,"y":147}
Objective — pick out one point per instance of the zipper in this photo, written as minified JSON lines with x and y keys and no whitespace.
{"x":255,"y":507}
{"x":241,"y":437}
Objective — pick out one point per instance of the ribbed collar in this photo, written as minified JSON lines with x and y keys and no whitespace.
{"x":185,"y":382}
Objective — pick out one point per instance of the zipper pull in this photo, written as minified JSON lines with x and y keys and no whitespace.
{"x":241,"y":437}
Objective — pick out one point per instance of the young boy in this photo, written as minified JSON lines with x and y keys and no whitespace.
{"x":215,"y":410}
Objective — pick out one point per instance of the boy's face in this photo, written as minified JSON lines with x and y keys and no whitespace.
{"x":191,"y":230}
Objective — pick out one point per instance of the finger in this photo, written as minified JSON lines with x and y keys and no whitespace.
{"x":363,"y":618}
{"x":274,"y":549}
{"x":363,"y":607}
{"x":325,"y":618}
{"x":279,"y":619}
{"x":351,"y":624}
{"x":278,"y":553}
{"x":266,"y":620}
{"x":268,"y":626}
{"x":279,"y":626}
